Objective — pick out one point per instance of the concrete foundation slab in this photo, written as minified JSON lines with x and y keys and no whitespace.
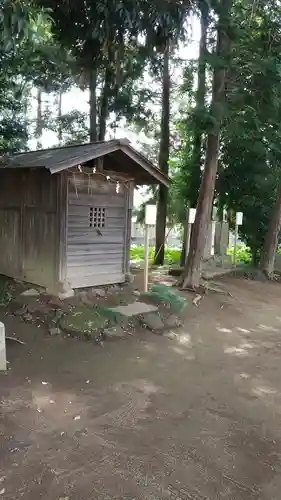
{"x":134,"y":309}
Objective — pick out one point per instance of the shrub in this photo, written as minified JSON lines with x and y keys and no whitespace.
{"x":172,"y":255}
{"x":243,"y":253}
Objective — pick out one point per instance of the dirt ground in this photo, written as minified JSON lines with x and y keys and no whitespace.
{"x":195,"y":415}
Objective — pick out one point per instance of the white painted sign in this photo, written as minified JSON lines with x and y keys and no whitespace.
{"x":3,"y":365}
{"x":150,"y":215}
{"x":191,"y":215}
{"x":239,"y":218}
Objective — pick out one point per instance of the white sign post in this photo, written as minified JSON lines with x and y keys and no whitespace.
{"x":238,"y":222}
{"x":190,"y":220}
{"x":150,"y":220}
{"x":3,"y":362}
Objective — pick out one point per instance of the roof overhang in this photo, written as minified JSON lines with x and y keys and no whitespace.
{"x":118,"y":155}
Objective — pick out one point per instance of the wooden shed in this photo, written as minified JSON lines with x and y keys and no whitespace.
{"x":65,"y":213}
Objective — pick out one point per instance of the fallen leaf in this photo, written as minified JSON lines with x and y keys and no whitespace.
{"x":2,"y":491}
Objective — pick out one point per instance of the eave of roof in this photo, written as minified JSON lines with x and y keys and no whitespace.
{"x":62,"y":158}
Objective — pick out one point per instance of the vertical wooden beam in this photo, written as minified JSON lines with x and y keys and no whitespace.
{"x":62,"y":216}
{"x":128,"y":226}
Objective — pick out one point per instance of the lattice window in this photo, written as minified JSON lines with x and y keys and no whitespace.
{"x":97,"y":217}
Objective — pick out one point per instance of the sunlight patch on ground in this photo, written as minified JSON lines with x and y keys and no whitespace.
{"x":263,"y":390}
{"x":224,"y":330}
{"x":242,"y":330}
{"x":268,"y":328}
{"x":241,"y":350}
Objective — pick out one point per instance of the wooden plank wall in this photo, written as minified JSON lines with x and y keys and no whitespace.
{"x":95,"y":257}
{"x":29,"y":225}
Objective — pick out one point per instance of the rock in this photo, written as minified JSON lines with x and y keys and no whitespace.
{"x":31,"y":292}
{"x":153,"y":322}
{"x":99,"y":292}
{"x":86,"y":298}
{"x":83,"y":321}
{"x":67,"y":294}
{"x":114,"y":289}
{"x":54,"y":331}
{"x":53,"y":302}
{"x":172,"y":321}
{"x":27,"y":317}
{"x":114,"y":333}
{"x":129,"y":278}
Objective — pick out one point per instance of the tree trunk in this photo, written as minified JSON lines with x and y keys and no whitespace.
{"x":104,"y":104}
{"x":271,"y":239}
{"x":59,"y":117}
{"x":163,"y":163}
{"x":93,"y":105}
{"x":196,"y":159}
{"x":192,"y":272}
{"x":39,"y":119}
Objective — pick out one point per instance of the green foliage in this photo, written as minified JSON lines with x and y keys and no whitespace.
{"x":172,"y":255}
{"x":73,"y":127}
{"x":250,"y":165}
{"x":243,"y":254}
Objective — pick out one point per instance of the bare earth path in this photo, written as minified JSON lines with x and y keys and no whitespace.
{"x":197,"y":416}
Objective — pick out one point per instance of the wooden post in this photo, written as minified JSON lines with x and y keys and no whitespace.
{"x":150,"y":220}
{"x":146,"y":257}
{"x":191,"y":212}
{"x":3,"y":362}
{"x":238,"y":222}
{"x":235,"y":245}
{"x":187,"y":241}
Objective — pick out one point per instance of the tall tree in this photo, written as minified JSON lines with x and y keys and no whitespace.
{"x":111,"y":41}
{"x":192,"y":272}
{"x":162,"y":201}
{"x":250,"y":159}
{"x":199,"y":119}
{"x":271,"y":238}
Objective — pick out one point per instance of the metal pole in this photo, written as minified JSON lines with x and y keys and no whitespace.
{"x":146,"y":257}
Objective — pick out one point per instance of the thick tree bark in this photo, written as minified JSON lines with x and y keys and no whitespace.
{"x":59,"y":117}
{"x":192,"y":272}
{"x":196,"y":160}
{"x":39,"y":119}
{"x":104,"y":104}
{"x":93,"y":104}
{"x":162,"y":201}
{"x":271,"y":239}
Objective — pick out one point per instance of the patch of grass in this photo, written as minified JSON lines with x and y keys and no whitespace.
{"x":172,"y":255}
